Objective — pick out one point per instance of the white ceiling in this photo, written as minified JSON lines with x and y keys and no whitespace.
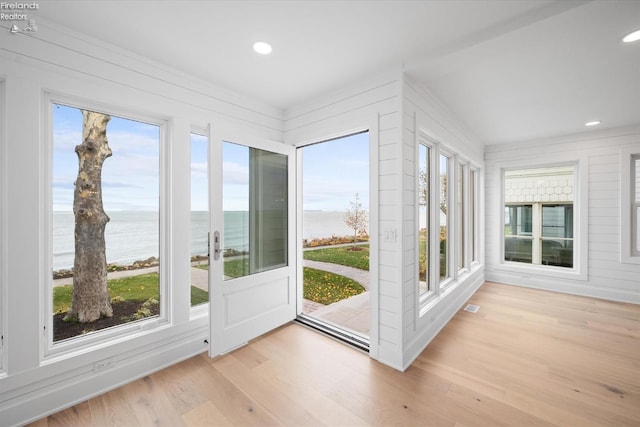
{"x":510,"y":70}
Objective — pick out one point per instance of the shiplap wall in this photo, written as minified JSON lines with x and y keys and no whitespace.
{"x":600,"y":154}
{"x":31,"y":384}
{"x":423,"y":112}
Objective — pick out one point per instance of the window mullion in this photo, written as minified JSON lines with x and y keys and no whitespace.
{"x":536,"y":231}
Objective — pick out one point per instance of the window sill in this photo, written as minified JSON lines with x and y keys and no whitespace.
{"x":629,"y":259}
{"x":528,"y":270}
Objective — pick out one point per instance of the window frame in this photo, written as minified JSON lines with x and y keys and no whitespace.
{"x":629,"y":254}
{"x":432,"y":282}
{"x":474,"y":215}
{"x":579,"y":271}
{"x":200,"y":310}
{"x":451,"y":215}
{"x":468,"y":212}
{"x":462,"y":216}
{"x":127,"y":331}
{"x":4,"y":245}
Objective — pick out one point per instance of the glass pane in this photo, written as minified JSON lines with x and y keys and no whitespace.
{"x":461,"y":217}
{"x":637,"y":180}
{"x":518,"y":249}
{"x":518,"y":220}
{"x":638,"y":229}
{"x":557,"y":221}
{"x":255,"y":210}
{"x":557,"y":252}
{"x":424,"y":154}
{"x":199,"y":219}
{"x":105,"y":272}
{"x":472,"y":212}
{"x":444,"y":216}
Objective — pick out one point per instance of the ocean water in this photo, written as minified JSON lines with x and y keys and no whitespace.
{"x":132,"y":236}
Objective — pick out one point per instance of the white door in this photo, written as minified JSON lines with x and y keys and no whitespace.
{"x":253,"y":257}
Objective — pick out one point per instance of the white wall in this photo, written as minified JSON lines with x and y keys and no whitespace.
{"x":599,"y":157}
{"x":32,"y":384}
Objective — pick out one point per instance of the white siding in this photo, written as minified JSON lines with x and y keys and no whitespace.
{"x":87,"y":70}
{"x":598,"y":152}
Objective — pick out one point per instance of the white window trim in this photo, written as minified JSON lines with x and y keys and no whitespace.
{"x":473,"y":250}
{"x":627,"y":226}
{"x":581,"y":221}
{"x":50,"y":351}
{"x":451,"y":217}
{"x":202,"y":310}
{"x":432,"y":292}
{"x":462,"y":164}
{"x":439,"y":288}
{"x":3,"y":232}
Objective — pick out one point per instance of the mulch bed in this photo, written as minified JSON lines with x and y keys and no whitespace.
{"x":122,"y":313}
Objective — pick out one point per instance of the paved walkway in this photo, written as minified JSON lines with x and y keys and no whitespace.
{"x":111,"y":275}
{"x":351,"y":313}
{"x":360,"y":276}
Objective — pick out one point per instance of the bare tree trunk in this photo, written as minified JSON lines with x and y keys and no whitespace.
{"x":90,"y":294}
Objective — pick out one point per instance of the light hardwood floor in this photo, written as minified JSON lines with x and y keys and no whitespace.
{"x":527,"y":358}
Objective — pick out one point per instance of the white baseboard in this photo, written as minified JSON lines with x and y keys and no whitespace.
{"x":41,"y":402}
{"x":440,"y":314}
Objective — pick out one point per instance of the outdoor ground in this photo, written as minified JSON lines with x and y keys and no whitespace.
{"x":121,"y":312}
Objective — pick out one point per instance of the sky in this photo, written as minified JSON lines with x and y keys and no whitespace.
{"x":333,"y":171}
{"x":129,"y":176}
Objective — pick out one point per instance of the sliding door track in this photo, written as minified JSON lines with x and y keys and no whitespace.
{"x":353,"y":339}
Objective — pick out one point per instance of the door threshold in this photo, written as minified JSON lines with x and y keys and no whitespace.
{"x":357,"y":341}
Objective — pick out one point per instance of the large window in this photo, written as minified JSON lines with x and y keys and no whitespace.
{"x":3,"y":236}
{"x":539,"y":216}
{"x":105,"y":241}
{"x":635,"y":207}
{"x":473,"y":215}
{"x":446,"y":209}
{"x":445,"y":217}
{"x":630,"y":204}
{"x":461,"y":197}
{"x":424,"y":217}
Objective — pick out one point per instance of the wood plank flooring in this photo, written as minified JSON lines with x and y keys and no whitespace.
{"x":526,"y":358}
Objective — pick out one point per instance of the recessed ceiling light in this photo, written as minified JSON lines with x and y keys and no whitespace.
{"x":632,"y":37}
{"x":262,"y":48}
{"x":593,"y":123}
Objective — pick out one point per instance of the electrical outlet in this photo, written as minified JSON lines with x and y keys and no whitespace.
{"x":104,"y":364}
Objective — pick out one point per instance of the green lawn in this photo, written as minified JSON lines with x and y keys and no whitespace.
{"x":134,"y":288}
{"x":326,"y":288}
{"x":319,"y":286}
{"x":343,"y":255}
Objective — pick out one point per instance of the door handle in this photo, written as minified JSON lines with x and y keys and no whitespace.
{"x":216,"y":245}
